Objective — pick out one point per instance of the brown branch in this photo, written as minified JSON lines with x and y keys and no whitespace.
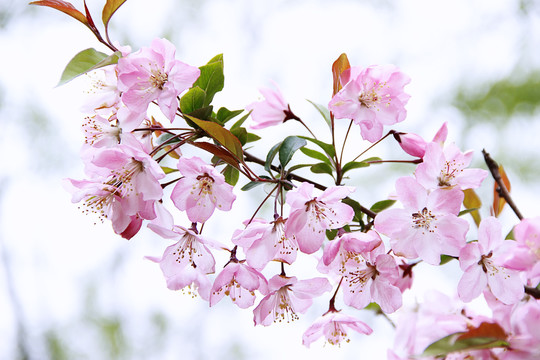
{"x":534,"y":292}
{"x":252,"y":158}
{"x":503,"y":192}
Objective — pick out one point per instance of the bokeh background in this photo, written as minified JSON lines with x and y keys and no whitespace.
{"x":70,"y":289}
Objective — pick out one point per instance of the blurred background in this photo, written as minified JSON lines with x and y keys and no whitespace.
{"x":70,"y":289}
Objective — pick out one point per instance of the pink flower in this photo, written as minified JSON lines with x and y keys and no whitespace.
{"x":239,"y":282}
{"x":287,"y":298}
{"x":372,"y":281}
{"x":201,"y":190}
{"x":311,"y":216}
{"x":273,"y":110}
{"x":185,"y":263}
{"x":446,"y":169}
{"x":333,"y":326}
{"x":526,"y":255}
{"x":481,"y":262}
{"x":372,"y":97}
{"x":427,"y":226}
{"x":124,"y":186}
{"x":349,"y":246}
{"x":153,"y":74}
{"x":263,"y":242}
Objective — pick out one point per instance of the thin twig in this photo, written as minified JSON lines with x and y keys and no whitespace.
{"x":503,"y":192}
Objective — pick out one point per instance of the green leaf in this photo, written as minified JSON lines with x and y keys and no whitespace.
{"x":289,"y":146}
{"x":168,"y":170}
{"x":241,"y":121}
{"x":446,"y":259}
{"x":85,"y":61}
{"x":223,"y":115}
{"x":250,"y":185}
{"x":382,"y":205}
{"x":192,"y":100}
{"x":211,"y":79}
{"x":485,"y":336}
{"x":328,"y":148}
{"x":109,"y":9}
{"x":271,"y":155}
{"x":322,"y":168}
{"x":222,"y":136}
{"x":356,"y":207}
{"x":167,"y":138}
{"x":241,"y":134}
{"x":65,"y":7}
{"x":353,"y":165}
{"x":466,"y":211}
{"x":316,"y":155}
{"x":231,"y":175}
{"x":252,"y":137}
{"x":472,"y":201}
{"x":324,"y":112}
{"x":299,"y":166}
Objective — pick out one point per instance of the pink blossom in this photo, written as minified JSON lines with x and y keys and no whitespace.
{"x":372,"y":97}
{"x":446,"y":169}
{"x":273,"y":110}
{"x":415,"y":145}
{"x":263,"y":242}
{"x":333,"y":326}
{"x":287,"y":298}
{"x":153,"y":74}
{"x":372,"y":281}
{"x":124,"y":187}
{"x":239,"y":282}
{"x":526,"y":255}
{"x":311,"y":216}
{"x":481,"y":262}
{"x":349,"y":246}
{"x":427,"y":226}
{"x":187,"y":262}
{"x":201,"y":190}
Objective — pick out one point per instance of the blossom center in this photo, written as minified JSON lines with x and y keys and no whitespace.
{"x":205,"y":184}
{"x":423,"y":219}
{"x":372,"y":97}
{"x":449,"y":173}
{"x":95,"y":131}
{"x":359,"y":278}
{"x":158,"y":78}
{"x":283,"y":309}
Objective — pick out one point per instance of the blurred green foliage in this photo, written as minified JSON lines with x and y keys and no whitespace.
{"x":502,"y":100}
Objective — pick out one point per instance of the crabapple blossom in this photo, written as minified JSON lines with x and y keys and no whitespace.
{"x":427,"y":226}
{"x":372,"y":97}
{"x":482,"y":262}
{"x":310,"y":216}
{"x":273,"y":110}
{"x":153,"y":74}
{"x":263,"y":242}
{"x":372,"y":281}
{"x":239,"y":282}
{"x":187,"y":262}
{"x":287,"y":297}
{"x":201,"y":190}
{"x":349,"y":246}
{"x":446,"y":169}
{"x":526,"y":255}
{"x":333,"y":326}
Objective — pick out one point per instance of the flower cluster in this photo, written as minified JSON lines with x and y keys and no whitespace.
{"x":364,"y":256}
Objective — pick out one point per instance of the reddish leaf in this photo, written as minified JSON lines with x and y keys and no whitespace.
{"x":338,"y":67}
{"x":217,"y":151}
{"x":64,"y":7}
{"x":221,"y":135}
{"x":109,"y":9}
{"x":485,"y":329}
{"x":498,"y":201}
